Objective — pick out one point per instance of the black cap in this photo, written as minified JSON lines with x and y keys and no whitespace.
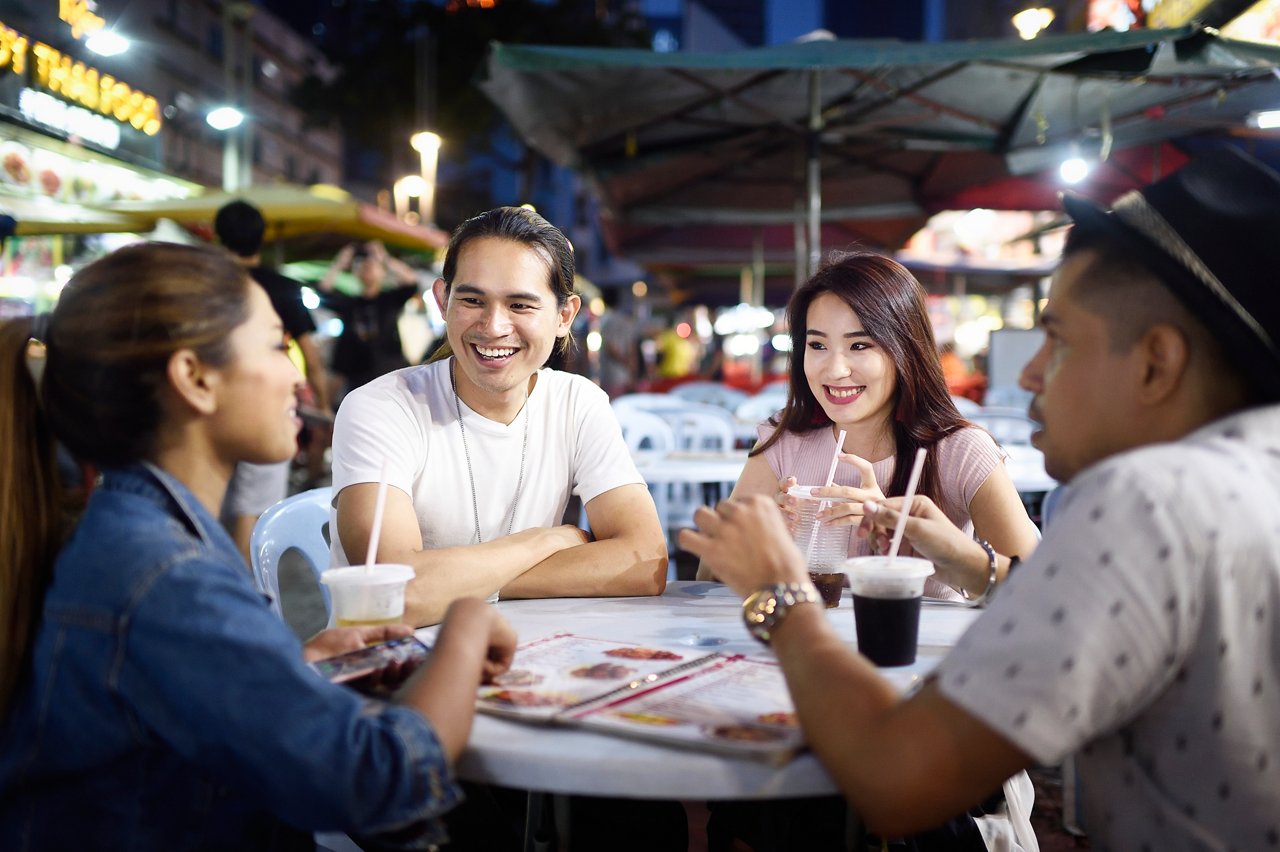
{"x":1211,"y":233}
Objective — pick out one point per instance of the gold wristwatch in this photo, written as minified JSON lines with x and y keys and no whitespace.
{"x":764,"y":610}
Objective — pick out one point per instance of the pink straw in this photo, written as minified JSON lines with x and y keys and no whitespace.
{"x":378,"y":507}
{"x":906,"y":506}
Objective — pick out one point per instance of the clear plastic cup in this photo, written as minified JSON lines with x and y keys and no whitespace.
{"x":365,"y":595}
{"x":824,"y":547}
{"x":886,"y":606}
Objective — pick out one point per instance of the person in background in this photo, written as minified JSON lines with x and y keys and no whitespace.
{"x":370,"y":344}
{"x":863,"y":361}
{"x":619,"y":352}
{"x":255,"y":488}
{"x":1141,"y":635}
{"x":149,"y":697}
{"x":484,"y":446}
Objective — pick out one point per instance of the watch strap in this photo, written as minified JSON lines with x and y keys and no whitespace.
{"x":765,"y":609}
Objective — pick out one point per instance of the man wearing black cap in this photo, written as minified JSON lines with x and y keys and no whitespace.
{"x":1143,"y":635}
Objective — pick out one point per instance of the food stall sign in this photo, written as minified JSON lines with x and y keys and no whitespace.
{"x":50,"y":70}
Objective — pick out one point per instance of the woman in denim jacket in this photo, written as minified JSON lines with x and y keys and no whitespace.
{"x":150,"y":698}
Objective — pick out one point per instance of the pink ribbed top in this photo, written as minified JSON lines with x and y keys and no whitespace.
{"x":965,"y":459}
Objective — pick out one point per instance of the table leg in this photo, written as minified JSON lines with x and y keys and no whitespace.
{"x":539,"y":823}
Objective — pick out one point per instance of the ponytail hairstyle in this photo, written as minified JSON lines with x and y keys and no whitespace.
{"x":117,"y":324}
{"x":33,"y":520}
{"x":891,"y":305}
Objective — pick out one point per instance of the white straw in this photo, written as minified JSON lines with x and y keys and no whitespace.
{"x":906,"y":506}
{"x":378,"y":506}
{"x":831,"y":477}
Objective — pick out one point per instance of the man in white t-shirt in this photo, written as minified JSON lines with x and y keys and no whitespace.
{"x":483,"y":448}
{"x":1143,"y":635}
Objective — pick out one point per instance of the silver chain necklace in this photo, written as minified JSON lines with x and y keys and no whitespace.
{"x":524,"y":448}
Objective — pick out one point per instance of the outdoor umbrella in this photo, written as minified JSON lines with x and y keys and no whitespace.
{"x":864,"y":138}
{"x":292,"y":210}
{"x":45,"y":216}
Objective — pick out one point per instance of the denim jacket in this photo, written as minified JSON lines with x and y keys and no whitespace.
{"x":167,"y":708}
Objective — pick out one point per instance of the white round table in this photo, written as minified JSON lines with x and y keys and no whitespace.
{"x":690,"y":614}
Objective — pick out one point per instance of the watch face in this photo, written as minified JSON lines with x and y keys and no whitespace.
{"x":765,"y":608}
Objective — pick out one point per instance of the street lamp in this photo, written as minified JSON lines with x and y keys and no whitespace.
{"x":427,"y":144}
{"x":410,"y":186}
{"x":224,"y":118}
{"x":107,"y":43}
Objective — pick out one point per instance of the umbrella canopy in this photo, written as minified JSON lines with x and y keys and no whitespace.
{"x":292,"y":210}
{"x":44,"y":216}
{"x":865,"y":137}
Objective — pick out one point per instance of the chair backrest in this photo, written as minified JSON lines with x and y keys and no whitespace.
{"x":702,"y":428}
{"x":710,"y":393}
{"x":762,"y":406}
{"x":652,"y":402}
{"x":1006,"y":428}
{"x":966,"y":406}
{"x":300,"y":523}
{"x":644,"y":430}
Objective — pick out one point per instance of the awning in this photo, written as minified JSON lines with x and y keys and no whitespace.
{"x":867,"y":136}
{"x":43,"y":216}
{"x":292,"y":210}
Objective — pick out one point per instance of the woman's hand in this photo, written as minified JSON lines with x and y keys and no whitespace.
{"x":474,"y":622}
{"x":342,"y":640}
{"x":929,"y":532}
{"x":848,"y":510}
{"x":745,"y":543}
{"x":789,"y":505}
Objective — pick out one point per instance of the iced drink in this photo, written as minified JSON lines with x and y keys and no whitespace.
{"x":824,"y":547}
{"x":886,"y":606}
{"x":364,"y":596}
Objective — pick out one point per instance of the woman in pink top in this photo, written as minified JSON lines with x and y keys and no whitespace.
{"x":864,"y":361}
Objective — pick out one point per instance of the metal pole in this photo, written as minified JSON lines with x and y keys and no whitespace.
{"x":757,"y":297}
{"x":230,"y":137}
{"x":244,"y":96}
{"x":802,"y":259}
{"x":815,"y":172}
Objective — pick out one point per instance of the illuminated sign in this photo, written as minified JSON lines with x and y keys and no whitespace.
{"x":45,"y":109}
{"x":79,"y":15}
{"x":82,"y":85}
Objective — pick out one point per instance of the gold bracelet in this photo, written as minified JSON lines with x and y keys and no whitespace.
{"x":991,"y":577}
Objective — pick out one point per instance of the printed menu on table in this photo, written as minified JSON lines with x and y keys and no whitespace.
{"x":728,"y":703}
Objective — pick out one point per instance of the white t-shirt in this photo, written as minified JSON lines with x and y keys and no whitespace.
{"x":409,"y":417}
{"x":1144,"y":635}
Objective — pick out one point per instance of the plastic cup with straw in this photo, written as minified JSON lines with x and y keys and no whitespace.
{"x":831,"y":478}
{"x":369,"y":594}
{"x":887,"y":596}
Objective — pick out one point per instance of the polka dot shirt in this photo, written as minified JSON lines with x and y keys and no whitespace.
{"x":1144,"y":636}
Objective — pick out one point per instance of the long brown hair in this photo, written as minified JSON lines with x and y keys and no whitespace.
{"x":891,"y":304}
{"x":117,"y":324}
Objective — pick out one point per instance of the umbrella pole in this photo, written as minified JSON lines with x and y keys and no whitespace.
{"x":815,"y":172}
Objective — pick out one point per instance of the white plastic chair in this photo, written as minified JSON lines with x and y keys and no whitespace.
{"x":653,"y":402}
{"x":701,"y":428}
{"x":300,"y":523}
{"x":645,"y":431}
{"x":1006,"y":428}
{"x":710,"y":393}
{"x":762,"y":406}
{"x":966,"y":406}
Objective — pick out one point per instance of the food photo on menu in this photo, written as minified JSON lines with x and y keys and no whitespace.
{"x":727,"y":703}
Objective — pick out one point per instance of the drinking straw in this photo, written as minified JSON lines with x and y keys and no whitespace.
{"x":831,"y":477}
{"x":378,"y":506}
{"x":901,"y":526}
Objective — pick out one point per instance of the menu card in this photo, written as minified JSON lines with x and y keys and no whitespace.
{"x":727,"y":703}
